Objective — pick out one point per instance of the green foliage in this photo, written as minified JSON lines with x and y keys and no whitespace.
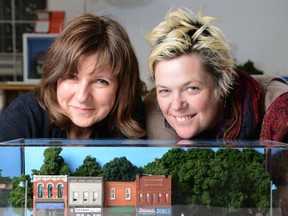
{"x":119,"y":169}
{"x":249,"y":68}
{"x":90,"y":167}
{"x":5,"y":180}
{"x":53,"y":163}
{"x":64,"y":169}
{"x":227,"y":178}
{"x":17,"y":195}
{"x":155,"y":168}
{"x":35,"y":172}
{"x":4,"y":194}
{"x":172,"y":160}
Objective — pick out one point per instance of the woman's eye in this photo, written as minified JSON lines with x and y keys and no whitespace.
{"x":102,"y":81}
{"x":163,"y":91}
{"x":193,"y":88}
{"x":72,"y":76}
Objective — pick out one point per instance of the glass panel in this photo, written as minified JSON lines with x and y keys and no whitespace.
{"x":204,"y":177}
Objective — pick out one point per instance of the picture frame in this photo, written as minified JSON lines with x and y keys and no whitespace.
{"x":34,"y":48}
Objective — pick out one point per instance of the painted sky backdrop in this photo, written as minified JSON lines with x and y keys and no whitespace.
{"x":74,"y":156}
{"x":10,"y":161}
{"x":10,"y":157}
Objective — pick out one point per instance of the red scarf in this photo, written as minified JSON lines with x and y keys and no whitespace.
{"x":242,"y":115}
{"x":275,"y":121}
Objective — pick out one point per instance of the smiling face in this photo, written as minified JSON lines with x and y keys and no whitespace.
{"x":87,"y":96}
{"x":185,"y":94}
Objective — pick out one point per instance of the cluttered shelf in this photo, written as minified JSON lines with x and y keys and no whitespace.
{"x":10,"y":90}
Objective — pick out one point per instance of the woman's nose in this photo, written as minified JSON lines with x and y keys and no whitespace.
{"x":83,"y":92}
{"x":179,"y":102}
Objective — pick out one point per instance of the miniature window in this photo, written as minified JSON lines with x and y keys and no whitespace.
{"x":75,"y":196}
{"x":50,"y":190}
{"x":112,"y":194}
{"x":85,"y":196}
{"x":153,"y":198}
{"x":40,"y":191}
{"x":95,"y":196}
{"x":128,"y":193}
{"x":60,"y":191}
{"x":159,"y":197}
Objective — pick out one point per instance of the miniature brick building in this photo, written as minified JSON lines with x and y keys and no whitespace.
{"x":50,"y":195}
{"x":153,"y":195}
{"x":120,"y":196}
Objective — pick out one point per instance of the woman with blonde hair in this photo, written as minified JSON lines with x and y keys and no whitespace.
{"x":199,"y":92}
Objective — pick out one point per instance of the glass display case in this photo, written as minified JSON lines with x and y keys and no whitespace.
{"x":143,"y":177}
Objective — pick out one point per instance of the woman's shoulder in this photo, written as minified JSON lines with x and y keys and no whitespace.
{"x":23,"y":118}
{"x":26,"y":102}
{"x":26,"y":97}
{"x":247,"y":80}
{"x":155,"y":121}
{"x":272,"y":87}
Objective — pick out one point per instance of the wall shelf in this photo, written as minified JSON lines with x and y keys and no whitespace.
{"x":10,"y":90}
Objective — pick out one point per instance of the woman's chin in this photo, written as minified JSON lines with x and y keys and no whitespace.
{"x":184,"y":134}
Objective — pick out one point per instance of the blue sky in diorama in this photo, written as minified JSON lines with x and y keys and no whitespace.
{"x":10,"y":161}
{"x":74,"y":156}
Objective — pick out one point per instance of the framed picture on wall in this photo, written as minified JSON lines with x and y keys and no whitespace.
{"x":35,"y":47}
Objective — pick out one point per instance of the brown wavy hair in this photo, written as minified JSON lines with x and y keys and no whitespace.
{"x":102,"y":34}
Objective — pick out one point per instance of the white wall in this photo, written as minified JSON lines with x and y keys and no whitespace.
{"x":256,"y":29}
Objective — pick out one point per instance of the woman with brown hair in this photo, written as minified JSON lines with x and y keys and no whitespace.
{"x":90,"y":87}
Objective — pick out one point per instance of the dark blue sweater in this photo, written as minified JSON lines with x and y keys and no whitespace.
{"x":24,"y":118}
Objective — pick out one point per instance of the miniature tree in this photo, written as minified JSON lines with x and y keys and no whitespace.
{"x":17,"y":195}
{"x":4,"y":193}
{"x":54,"y":164}
{"x":155,"y":168}
{"x":119,"y":169}
{"x":227,"y":178}
{"x":90,"y":167}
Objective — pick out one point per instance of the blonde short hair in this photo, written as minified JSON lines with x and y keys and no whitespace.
{"x":183,"y":32}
